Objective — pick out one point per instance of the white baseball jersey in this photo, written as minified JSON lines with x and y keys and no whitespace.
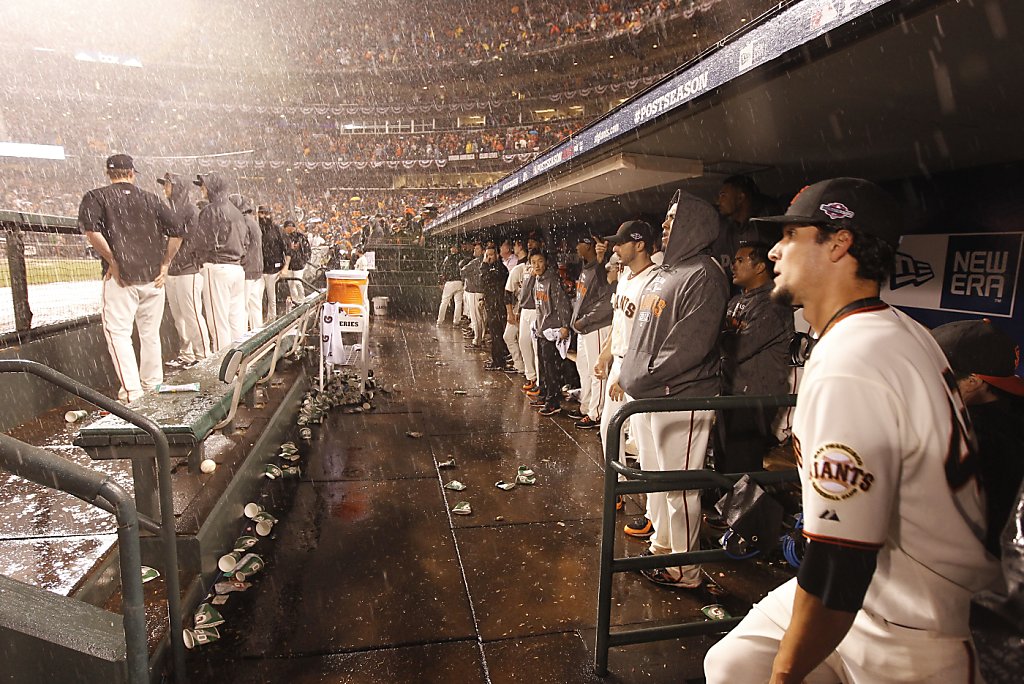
{"x":625,"y":301}
{"x":516,"y":276}
{"x":874,"y":426}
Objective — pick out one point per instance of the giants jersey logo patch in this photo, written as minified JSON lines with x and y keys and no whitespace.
{"x":837,"y":472}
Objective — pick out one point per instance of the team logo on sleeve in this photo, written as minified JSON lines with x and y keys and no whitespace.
{"x":837,"y":472}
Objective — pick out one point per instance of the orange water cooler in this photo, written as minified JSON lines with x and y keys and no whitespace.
{"x":345,"y":323}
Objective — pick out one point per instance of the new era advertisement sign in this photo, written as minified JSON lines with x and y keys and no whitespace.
{"x":970,"y":273}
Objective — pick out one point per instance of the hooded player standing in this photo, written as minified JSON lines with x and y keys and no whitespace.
{"x":673,"y":352}
{"x":893,"y":514}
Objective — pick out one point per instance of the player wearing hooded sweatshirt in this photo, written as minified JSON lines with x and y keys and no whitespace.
{"x":225,"y":237}
{"x":554,"y":311}
{"x":591,"y":320}
{"x":673,"y":352}
{"x":252,"y":264}
{"x":184,"y":279}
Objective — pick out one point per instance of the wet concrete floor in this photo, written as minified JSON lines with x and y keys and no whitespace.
{"x":370,"y":578}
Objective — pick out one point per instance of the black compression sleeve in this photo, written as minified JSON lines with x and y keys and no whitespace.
{"x":837,"y":575}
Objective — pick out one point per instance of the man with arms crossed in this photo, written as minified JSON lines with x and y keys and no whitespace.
{"x":893,"y":513}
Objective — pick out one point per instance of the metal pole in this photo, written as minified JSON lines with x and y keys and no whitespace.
{"x":19,"y":278}
{"x":163,"y":459}
{"x":133,"y":605}
{"x":48,"y":470}
{"x":604,"y":593}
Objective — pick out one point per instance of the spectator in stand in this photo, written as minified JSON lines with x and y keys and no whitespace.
{"x":296,"y":254}
{"x":252,"y":264}
{"x":591,"y":321}
{"x":554,"y":310}
{"x":493,"y":276}
{"x":272,"y":242}
{"x":513,"y":286}
{"x":137,"y":237}
{"x":755,"y":349}
{"x":451,"y":286}
{"x":673,"y":352}
{"x":225,"y":241}
{"x":474,"y":296}
{"x":184,"y":280}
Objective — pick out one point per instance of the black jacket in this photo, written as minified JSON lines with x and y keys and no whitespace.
{"x":273,"y":246}
{"x":297,"y":247}
{"x":450,"y":268}
{"x":186,"y":261}
{"x":492,"y":279}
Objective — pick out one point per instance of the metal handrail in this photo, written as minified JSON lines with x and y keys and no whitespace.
{"x":235,"y":366}
{"x":643,"y":481}
{"x":48,"y":470}
{"x":163,"y":460}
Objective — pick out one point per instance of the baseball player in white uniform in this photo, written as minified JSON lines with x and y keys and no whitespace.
{"x":892,"y":509}
{"x":633,"y":244}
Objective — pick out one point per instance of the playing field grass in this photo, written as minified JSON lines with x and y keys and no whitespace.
{"x":42,"y":271}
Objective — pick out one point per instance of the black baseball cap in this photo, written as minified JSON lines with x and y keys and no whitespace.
{"x":851,"y":203}
{"x":586,"y":239}
{"x":634,"y":231}
{"x":289,"y":222}
{"x":199,"y":180}
{"x":980,"y":348}
{"x":120,"y":162}
{"x":165,"y":179}
{"x":263,"y":209}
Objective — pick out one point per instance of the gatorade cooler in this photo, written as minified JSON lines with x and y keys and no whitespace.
{"x":348,"y":288}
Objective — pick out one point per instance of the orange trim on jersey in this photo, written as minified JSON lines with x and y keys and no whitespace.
{"x":866,"y":309}
{"x":846,"y":543}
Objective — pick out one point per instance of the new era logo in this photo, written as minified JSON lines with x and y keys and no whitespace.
{"x":836,"y":210}
{"x":909,"y":271}
{"x":829,"y":514}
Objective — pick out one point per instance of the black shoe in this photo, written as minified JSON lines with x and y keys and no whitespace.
{"x":585,"y":423}
{"x":550,"y":410}
{"x":639,"y":528}
{"x":575,"y":414}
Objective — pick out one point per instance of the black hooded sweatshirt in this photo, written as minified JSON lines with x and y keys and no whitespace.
{"x":273,"y":246}
{"x":673,"y":350}
{"x":222,"y":227}
{"x":186,"y":261}
{"x":252,"y":262}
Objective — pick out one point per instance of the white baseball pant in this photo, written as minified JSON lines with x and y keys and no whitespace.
{"x":873,"y":651}
{"x":254,"y":303}
{"x":592,"y":388}
{"x":511,"y":337}
{"x":270,"y":288}
{"x":185,"y":299}
{"x":296,"y":290}
{"x":527,"y":343}
{"x":675,"y":440}
{"x":122,"y":309}
{"x":224,"y":303}
{"x":475,"y":302}
{"x":608,"y":409}
{"x":452,"y":291}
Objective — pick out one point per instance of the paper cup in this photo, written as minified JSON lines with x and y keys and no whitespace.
{"x":251,"y":510}
{"x":228,"y":561}
{"x":75,"y":416}
{"x":249,"y":565}
{"x":200,"y":637}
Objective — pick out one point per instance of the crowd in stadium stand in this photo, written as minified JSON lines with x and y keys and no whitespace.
{"x":428,"y":34}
